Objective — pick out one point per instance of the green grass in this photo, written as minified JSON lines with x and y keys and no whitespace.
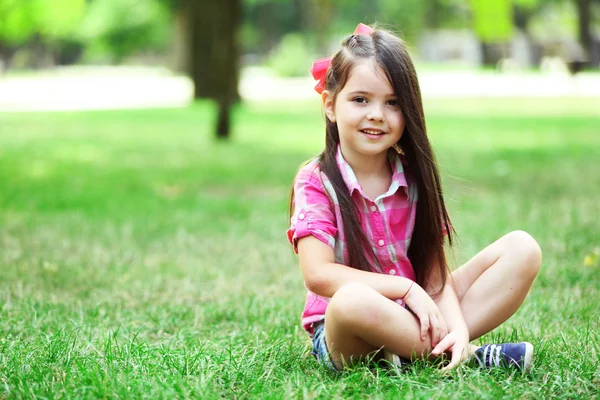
{"x":140,"y":258}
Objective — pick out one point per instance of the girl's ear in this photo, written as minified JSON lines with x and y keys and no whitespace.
{"x":327,"y":99}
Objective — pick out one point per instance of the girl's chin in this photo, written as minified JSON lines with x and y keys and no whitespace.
{"x":373,"y":151}
{"x":367,"y":147}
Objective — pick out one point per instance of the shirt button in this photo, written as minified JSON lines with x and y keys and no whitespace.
{"x":381,"y":242}
{"x":392,"y":272}
{"x":300,"y":216}
{"x":373,"y":208}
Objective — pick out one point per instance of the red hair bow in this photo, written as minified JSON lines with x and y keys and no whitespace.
{"x":320,"y":66}
{"x":362,"y":29}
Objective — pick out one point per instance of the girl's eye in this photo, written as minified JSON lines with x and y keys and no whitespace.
{"x":360,"y":100}
{"x":393,"y":102}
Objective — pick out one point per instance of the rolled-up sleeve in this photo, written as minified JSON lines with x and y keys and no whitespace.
{"x":313,"y":212}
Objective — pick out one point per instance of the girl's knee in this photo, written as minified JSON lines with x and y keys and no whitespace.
{"x":346,"y":297}
{"x":350,"y":303}
{"x":524,"y":246}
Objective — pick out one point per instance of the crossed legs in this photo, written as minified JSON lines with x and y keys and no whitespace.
{"x":490,"y":288}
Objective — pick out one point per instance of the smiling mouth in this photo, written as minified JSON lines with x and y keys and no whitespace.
{"x":372,"y":132}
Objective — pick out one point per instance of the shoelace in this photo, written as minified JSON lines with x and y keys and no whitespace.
{"x":491,"y":355}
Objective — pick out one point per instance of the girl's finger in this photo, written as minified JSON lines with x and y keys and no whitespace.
{"x":444,"y":345}
{"x":436,"y":331}
{"x":450,"y":366}
{"x":456,"y":354}
{"x":444,"y":332}
{"x":443,"y":323}
{"x":424,"y":327}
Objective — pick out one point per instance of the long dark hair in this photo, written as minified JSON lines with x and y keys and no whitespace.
{"x":426,"y":250}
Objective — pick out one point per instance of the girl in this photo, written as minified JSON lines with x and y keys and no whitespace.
{"x":368,"y":222}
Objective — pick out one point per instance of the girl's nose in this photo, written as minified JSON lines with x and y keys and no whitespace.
{"x":375,"y":113}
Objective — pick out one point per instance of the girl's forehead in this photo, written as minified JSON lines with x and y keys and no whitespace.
{"x":368,"y":76}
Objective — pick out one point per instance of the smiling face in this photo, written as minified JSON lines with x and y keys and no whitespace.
{"x":366,"y":112}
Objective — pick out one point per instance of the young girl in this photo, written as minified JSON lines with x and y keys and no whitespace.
{"x":368,"y":222}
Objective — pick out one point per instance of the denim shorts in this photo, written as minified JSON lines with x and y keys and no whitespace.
{"x":321,"y":352}
{"x":319,"y":349}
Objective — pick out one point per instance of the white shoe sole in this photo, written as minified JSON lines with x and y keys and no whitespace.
{"x":392,"y":358}
{"x":528,"y":357}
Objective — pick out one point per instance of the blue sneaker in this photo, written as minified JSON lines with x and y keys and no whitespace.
{"x":512,"y":355}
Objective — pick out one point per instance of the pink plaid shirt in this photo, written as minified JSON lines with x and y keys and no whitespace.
{"x":388,"y":222}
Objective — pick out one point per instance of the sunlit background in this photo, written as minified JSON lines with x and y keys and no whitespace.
{"x":142,"y":257}
{"x":98,"y":54}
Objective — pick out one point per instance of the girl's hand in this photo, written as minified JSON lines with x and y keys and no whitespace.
{"x":428,"y":313}
{"x":457,"y":342}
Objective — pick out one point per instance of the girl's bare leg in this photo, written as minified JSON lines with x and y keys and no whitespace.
{"x":359,"y":321}
{"x":490,"y":288}
{"x":492,"y":285}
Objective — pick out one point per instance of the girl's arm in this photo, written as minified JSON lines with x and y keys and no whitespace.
{"x":324,"y":277}
{"x":457,"y":340}
{"x":450,"y":307}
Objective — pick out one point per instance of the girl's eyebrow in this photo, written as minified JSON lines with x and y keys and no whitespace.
{"x":364,"y":92}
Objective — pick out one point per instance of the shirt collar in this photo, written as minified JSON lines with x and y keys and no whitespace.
{"x":398,"y":176}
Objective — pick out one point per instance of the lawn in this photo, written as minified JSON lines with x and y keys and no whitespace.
{"x":140,"y":258}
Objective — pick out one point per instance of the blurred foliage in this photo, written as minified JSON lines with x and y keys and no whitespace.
{"x":291,"y":56}
{"x":555,"y":21}
{"x":265,"y":22}
{"x":51,"y":19}
{"x":273,"y":31}
{"x":493,"y":20}
{"x":409,"y":17}
{"x":527,"y":4}
{"x":107,"y":29}
{"x":118,"y":28}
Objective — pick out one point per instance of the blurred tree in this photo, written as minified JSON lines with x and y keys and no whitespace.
{"x":44,"y":21}
{"x":214,"y":54}
{"x":291,"y":57}
{"x":266,"y":22}
{"x":585,"y":35}
{"x":17,"y":21}
{"x":322,"y":13}
{"x":407,"y":16}
{"x":16,"y":26}
{"x":523,"y":13}
{"x":119,"y":28}
{"x":445,"y":13}
{"x":492,"y":20}
{"x":525,"y":10}
{"x":270,"y":20}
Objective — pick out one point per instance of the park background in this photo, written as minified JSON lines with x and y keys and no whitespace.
{"x":147,"y":148}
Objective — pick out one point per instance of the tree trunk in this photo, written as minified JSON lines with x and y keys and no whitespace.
{"x":586,"y":38}
{"x":6,"y":55}
{"x":322,"y":10}
{"x":433,"y":14}
{"x":214,"y":55}
{"x":303,"y":10}
{"x":203,"y":35}
{"x":224,"y":121}
{"x":492,"y":53}
{"x":181,"y":53}
{"x":41,"y":54}
{"x":521,"y":18}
